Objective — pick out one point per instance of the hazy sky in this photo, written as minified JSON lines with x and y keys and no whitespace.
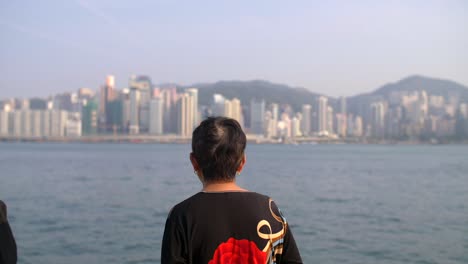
{"x":331,"y":47}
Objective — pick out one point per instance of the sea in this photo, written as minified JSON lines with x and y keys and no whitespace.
{"x":107,"y":203}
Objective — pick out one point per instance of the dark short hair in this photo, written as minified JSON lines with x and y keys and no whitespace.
{"x":218,"y":145}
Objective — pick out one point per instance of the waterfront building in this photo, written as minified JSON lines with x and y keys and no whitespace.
{"x":4,"y":123}
{"x":89,"y":118}
{"x":330,"y":128}
{"x":236,"y":110}
{"x":15,"y":123}
{"x":156,"y":116}
{"x":377,"y":119}
{"x":58,"y":122}
{"x":106,"y":96}
{"x":144,"y":85}
{"x":126,"y":114}
{"x":36,"y":120}
{"x":185,"y":115}
{"x":322,"y":114}
{"x":257,"y":115}
{"x":287,"y":125}
{"x":296,"y":126}
{"x":134,"y":126}
{"x":45,"y":122}
{"x":193,"y":93}
{"x":393,"y":128}
{"x":114,"y":116}
{"x":342,"y":106}
{"x":306,"y":119}
{"x":73,"y":125}
{"x":341,"y":125}
{"x":358,"y":126}
{"x":218,"y":107}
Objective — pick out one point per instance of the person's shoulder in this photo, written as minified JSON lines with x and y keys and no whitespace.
{"x":3,"y":212}
{"x":184,"y":206}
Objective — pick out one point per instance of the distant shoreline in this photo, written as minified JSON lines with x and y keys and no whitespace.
{"x":251,"y":139}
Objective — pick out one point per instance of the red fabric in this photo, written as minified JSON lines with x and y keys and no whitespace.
{"x":238,"y":252}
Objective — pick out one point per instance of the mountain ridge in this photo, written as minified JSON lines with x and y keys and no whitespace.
{"x":297,"y":96}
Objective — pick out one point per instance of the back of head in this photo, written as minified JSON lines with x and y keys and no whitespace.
{"x":218,"y":145}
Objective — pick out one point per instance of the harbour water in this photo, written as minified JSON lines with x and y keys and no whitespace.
{"x":107,"y":203}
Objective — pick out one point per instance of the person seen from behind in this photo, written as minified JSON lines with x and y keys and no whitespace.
{"x":8,"y":252}
{"x":225,"y":223}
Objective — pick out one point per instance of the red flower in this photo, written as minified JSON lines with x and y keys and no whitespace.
{"x":238,"y":252}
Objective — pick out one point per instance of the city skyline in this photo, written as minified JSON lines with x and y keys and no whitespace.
{"x":419,"y":109}
{"x":336,"y":48}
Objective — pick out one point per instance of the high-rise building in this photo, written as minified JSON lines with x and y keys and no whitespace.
{"x":134,"y":127}
{"x":341,"y":125}
{"x":274,"y":120}
{"x":156,"y":116}
{"x":193,"y":92}
{"x":3,"y":123}
{"x":106,"y":96}
{"x":219,"y":105}
{"x":89,"y":118}
{"x":144,"y":85}
{"x":36,"y":120}
{"x":169,"y":97}
{"x":45,"y":122}
{"x":330,"y":128}
{"x":287,"y":125}
{"x":228,"y":108}
{"x":306,"y":119}
{"x":393,"y":122}
{"x":358,"y":127}
{"x":185,"y":115}
{"x":126,"y":112}
{"x":342,"y":108}
{"x":350,"y":125}
{"x":115,"y":116}
{"x":296,"y":126}
{"x":378,"y":119}
{"x":58,"y":123}
{"x":322,"y":114}
{"x":257,"y":115}
{"x":25,"y":123}
{"x":15,"y":123}
{"x":236,"y":109}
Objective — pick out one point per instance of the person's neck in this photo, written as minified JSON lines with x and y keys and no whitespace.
{"x":222,"y":187}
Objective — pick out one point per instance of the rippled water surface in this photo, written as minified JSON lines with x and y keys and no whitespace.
{"x":82,"y":203}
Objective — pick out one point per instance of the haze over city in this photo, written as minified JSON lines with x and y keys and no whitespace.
{"x":335,"y":48}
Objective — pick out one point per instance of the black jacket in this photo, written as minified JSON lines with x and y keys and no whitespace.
{"x":8,"y":253}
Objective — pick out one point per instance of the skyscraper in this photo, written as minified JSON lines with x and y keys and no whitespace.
{"x":322,"y":113}
{"x":185,"y":115}
{"x":257,"y":114}
{"x":144,"y":89}
{"x":134,"y":127}
{"x":89,"y":118}
{"x":378,"y":119}
{"x":342,"y":108}
{"x":193,"y":92}
{"x":306,"y":119}
{"x":236,"y":109}
{"x":169,"y":97}
{"x":107,"y":94}
{"x":330,"y":127}
{"x":156,"y":116}
{"x":58,"y":122}
{"x":36,"y":119}
{"x":3,"y":123}
{"x":219,"y":105}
